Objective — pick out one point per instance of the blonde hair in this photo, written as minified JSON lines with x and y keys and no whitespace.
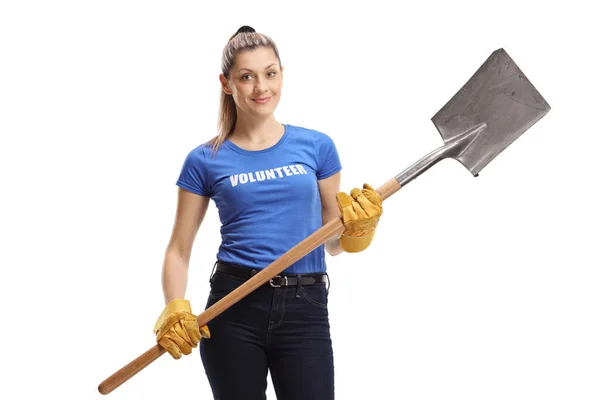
{"x":246,"y":38}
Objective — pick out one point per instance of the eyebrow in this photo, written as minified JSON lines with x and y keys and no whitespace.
{"x":246,"y":69}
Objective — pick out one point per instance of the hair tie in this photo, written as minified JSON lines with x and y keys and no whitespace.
{"x":245,"y":29}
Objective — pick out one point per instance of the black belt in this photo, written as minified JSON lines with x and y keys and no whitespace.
{"x":277,"y":281}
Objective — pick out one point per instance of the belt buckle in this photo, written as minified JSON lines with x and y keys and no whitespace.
{"x":285,"y":280}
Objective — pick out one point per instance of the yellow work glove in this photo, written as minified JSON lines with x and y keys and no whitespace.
{"x":177,"y":330}
{"x":360,"y":213}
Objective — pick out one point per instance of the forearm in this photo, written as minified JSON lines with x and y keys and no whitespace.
{"x":174,"y":276}
{"x":332,"y":246}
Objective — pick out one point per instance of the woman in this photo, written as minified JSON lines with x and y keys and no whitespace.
{"x":273,"y":185}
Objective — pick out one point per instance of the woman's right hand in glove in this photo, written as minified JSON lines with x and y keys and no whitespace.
{"x":177,"y":330}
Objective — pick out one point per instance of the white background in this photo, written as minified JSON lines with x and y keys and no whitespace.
{"x":475,"y":288}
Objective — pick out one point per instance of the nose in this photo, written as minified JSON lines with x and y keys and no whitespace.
{"x":261,"y":85}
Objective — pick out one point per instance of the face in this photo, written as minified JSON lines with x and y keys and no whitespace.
{"x":255,"y":81}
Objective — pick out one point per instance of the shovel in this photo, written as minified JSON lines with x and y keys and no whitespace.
{"x":483,"y":118}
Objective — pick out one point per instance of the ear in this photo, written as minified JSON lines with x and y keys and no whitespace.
{"x":224,"y":84}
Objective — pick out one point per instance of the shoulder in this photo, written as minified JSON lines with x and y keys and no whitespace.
{"x":199,"y":155}
{"x":314,"y":134}
{"x":201,"y":152}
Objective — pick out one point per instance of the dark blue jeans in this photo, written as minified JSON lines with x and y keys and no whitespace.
{"x":282,"y":330}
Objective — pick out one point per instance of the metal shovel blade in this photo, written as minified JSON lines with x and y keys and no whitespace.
{"x":499,"y":102}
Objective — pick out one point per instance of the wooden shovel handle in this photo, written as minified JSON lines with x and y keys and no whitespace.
{"x":291,"y":256}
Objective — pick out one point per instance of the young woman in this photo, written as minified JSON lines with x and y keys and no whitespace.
{"x":273,"y":185}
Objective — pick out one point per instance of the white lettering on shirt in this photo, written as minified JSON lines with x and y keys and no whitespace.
{"x":257,"y":176}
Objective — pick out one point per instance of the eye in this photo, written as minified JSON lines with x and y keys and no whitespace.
{"x":271,"y":74}
{"x":246,"y":77}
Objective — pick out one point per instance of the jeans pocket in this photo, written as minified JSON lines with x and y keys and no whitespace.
{"x":315,"y":294}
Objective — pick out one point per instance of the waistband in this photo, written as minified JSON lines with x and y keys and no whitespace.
{"x":281,"y":280}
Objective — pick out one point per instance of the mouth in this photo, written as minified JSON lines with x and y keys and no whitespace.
{"x":261,"y":100}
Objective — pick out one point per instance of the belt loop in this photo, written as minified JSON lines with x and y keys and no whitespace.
{"x":299,"y":285}
{"x":213,"y":272}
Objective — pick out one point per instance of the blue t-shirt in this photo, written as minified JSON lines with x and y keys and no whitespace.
{"x":268,"y":200}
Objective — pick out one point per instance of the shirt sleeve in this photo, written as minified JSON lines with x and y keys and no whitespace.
{"x":193,"y":176}
{"x":328,"y":159}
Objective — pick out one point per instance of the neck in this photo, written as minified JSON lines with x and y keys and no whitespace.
{"x":251,"y":129}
